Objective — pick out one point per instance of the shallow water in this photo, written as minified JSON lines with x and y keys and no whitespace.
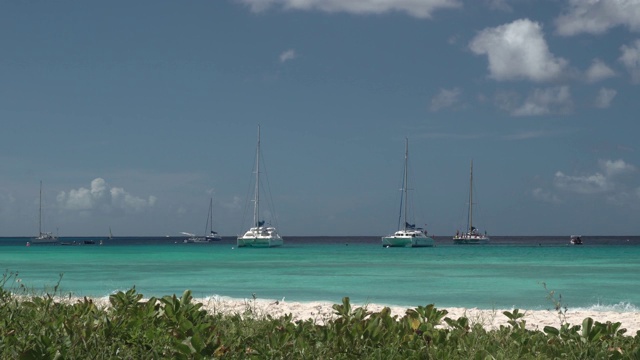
{"x":510,"y":272}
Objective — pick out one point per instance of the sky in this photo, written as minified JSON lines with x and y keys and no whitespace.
{"x":134,"y":114}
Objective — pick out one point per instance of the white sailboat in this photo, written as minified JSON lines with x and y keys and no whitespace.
{"x":409,"y":235}
{"x":472,"y":235}
{"x":43,"y":237}
{"x":258,"y":234}
{"x":211,"y":235}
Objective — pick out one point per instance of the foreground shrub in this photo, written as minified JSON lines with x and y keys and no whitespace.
{"x":41,"y":327}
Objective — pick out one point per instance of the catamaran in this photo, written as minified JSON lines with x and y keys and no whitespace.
{"x":472,"y":235}
{"x":258,"y":234}
{"x":408,"y":235}
{"x":43,"y":237}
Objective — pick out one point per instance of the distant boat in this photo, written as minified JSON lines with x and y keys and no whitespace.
{"x":408,"y":235}
{"x":194,"y":239}
{"x":211,"y":235}
{"x":258,"y":234}
{"x":472,"y":235}
{"x":43,"y":237}
{"x":576,"y":240}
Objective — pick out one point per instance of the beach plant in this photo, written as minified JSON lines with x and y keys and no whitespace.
{"x":175,"y":327}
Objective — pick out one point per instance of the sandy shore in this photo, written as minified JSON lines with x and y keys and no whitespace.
{"x":320,"y":312}
{"x":323,"y":311}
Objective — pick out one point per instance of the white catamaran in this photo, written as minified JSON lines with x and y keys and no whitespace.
{"x":43,"y":237}
{"x":472,"y":236}
{"x":259,"y":235}
{"x":409,"y":235}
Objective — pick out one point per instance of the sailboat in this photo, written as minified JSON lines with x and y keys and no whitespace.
{"x":43,"y":237}
{"x":258,"y":234}
{"x":211,"y":235}
{"x":472,"y":235}
{"x":409,"y":235}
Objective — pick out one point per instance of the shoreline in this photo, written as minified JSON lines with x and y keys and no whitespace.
{"x":490,"y":319}
{"x":321,"y":311}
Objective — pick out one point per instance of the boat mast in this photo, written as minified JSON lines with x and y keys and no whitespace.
{"x":471,"y":198}
{"x":256,"y":204}
{"x":406,"y":178}
{"x":40,"y":212}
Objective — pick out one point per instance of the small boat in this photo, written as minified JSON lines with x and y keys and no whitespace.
{"x":211,"y":235}
{"x":472,"y":236}
{"x":194,"y":239}
{"x":258,"y":234}
{"x":408,"y":235}
{"x":43,"y":237}
{"x":576,"y":240}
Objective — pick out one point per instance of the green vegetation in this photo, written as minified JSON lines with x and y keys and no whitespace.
{"x":45,"y":327}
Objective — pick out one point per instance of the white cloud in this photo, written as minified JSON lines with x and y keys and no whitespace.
{"x":589,"y":184}
{"x":605,"y":181}
{"x":604,"y":98}
{"x":101,"y":197}
{"x":288,"y":55}
{"x":445,"y":98}
{"x":599,"y":71}
{"x":617,"y":167}
{"x":631,"y":59}
{"x":553,"y":100}
{"x":598,"y":16}
{"x":415,"y":8}
{"x":518,"y":51}
{"x":545,"y":196}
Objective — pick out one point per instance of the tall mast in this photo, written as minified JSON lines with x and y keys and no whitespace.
{"x":406,"y":178}
{"x":40,"y":212}
{"x":471,"y":198}
{"x":256,"y":205}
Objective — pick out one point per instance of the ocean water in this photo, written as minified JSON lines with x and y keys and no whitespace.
{"x":509,"y":272}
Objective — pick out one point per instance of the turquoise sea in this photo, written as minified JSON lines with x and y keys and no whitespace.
{"x":509,"y":272}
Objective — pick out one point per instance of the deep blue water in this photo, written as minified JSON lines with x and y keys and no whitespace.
{"x":509,"y":272}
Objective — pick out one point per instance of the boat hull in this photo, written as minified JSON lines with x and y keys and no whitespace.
{"x":405,"y":241}
{"x":471,"y":240}
{"x":258,"y":242}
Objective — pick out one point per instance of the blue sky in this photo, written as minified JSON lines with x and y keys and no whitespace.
{"x":134,"y":113}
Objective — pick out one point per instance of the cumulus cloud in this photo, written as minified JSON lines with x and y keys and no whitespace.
{"x":102,"y":197}
{"x":288,"y":55}
{"x":415,"y":8}
{"x":589,"y":184}
{"x":545,"y":196}
{"x":599,"y":71}
{"x":553,"y":100}
{"x":604,"y":181}
{"x":518,"y":50}
{"x":598,"y":16}
{"x":604,"y":98}
{"x":616,"y":167}
{"x":445,"y":98}
{"x":631,"y":59}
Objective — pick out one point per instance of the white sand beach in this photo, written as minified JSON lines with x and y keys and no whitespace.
{"x":320,"y":312}
{"x":490,"y":319}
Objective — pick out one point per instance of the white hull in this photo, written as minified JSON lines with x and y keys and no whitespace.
{"x":45,"y":238}
{"x":407,"y":241}
{"x":260,"y":237}
{"x":471,"y":239}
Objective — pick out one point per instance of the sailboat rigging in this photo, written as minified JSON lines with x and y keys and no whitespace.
{"x":408,"y":235}
{"x":43,"y":237}
{"x":472,"y":235}
{"x":258,"y":234}
{"x":210,"y":234}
